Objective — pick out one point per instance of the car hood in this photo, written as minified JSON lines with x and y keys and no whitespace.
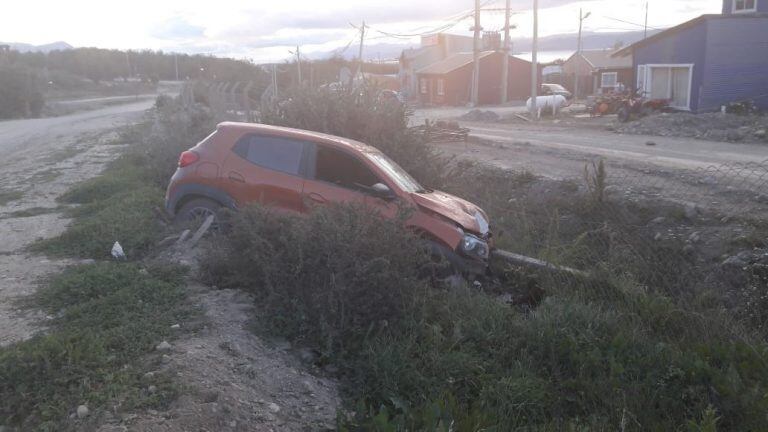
{"x":469,"y":216}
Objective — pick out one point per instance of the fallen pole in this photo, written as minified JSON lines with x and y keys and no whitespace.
{"x":525,"y":261}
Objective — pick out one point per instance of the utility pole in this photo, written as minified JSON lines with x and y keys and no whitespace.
{"x":505,"y":64}
{"x":176,"y":65}
{"x":476,"y":57}
{"x":298,"y":63}
{"x":360,"y":52}
{"x":535,"y":61}
{"x":274,"y":80}
{"x":577,"y":69}
{"x":645,"y":32}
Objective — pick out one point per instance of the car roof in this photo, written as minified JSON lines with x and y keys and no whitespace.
{"x":316,"y":137}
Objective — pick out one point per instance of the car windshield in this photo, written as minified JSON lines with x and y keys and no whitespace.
{"x":395,"y":172}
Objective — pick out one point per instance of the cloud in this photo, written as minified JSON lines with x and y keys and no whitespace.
{"x":177,"y":28}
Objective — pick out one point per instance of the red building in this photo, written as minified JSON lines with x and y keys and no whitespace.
{"x":449,"y":81}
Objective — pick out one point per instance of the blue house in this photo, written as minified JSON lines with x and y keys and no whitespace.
{"x":709,"y":61}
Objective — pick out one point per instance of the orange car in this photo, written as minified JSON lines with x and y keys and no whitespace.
{"x":291,"y":170}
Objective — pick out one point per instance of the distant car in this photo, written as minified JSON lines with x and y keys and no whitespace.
{"x":556,"y":89}
{"x":293,"y":170}
{"x":391,"y":95}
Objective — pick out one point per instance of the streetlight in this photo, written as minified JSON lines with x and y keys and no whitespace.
{"x":582,"y":17}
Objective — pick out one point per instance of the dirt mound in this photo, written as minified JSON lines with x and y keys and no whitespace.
{"x":480,"y":116}
{"x":710,"y":126}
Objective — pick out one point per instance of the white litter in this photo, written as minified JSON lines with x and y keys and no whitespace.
{"x":117,"y":251}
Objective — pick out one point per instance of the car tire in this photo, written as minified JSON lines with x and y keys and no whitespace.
{"x":195,"y":211}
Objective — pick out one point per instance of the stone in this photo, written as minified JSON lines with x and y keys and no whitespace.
{"x":273,"y":407}
{"x":659,"y":220}
{"x":82,"y":411}
{"x":307,"y":355}
{"x":163,"y":346}
{"x":650,"y":143}
{"x":694,"y":238}
{"x":175,"y":327}
{"x":734,"y":261}
{"x":657,"y":237}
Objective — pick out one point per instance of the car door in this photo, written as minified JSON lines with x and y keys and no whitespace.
{"x":337,"y":176}
{"x":268,"y":170}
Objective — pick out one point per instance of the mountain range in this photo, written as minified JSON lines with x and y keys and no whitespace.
{"x":24,"y":47}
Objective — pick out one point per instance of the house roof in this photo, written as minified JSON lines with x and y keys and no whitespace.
{"x":604,"y":59}
{"x":451,"y":63}
{"x":686,"y":25}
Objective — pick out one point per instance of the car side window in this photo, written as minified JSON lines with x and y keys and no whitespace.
{"x":275,"y":153}
{"x":344,"y":170}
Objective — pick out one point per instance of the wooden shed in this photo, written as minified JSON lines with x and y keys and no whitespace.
{"x":449,"y":81}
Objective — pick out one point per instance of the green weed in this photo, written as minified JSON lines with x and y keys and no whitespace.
{"x":107,"y":317}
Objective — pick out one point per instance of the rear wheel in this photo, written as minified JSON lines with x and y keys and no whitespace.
{"x":194,"y":212}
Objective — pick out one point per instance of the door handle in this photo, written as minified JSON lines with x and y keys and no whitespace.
{"x":236,"y":177}
{"x":316,"y":197}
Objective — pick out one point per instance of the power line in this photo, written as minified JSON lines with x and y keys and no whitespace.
{"x":631,"y":23}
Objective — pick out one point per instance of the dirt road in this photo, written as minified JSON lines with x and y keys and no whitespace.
{"x":727,"y":177}
{"x":41,"y":159}
{"x":666,"y":152}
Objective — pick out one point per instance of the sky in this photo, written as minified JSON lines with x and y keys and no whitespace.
{"x":264,"y":31}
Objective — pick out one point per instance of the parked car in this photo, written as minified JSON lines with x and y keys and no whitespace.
{"x":557,"y":89}
{"x":293,"y":170}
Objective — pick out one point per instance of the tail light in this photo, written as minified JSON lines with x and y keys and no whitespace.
{"x":188,"y":158}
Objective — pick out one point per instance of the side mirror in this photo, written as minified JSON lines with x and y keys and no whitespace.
{"x":380,"y":190}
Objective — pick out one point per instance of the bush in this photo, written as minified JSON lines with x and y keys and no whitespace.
{"x":418,"y":355}
{"x":20,"y":94}
{"x":326,"y":280}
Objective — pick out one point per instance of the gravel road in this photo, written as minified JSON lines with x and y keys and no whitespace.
{"x":41,"y":159}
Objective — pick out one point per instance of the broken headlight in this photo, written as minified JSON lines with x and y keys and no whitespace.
{"x":474,"y":247}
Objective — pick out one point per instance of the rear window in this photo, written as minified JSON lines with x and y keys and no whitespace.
{"x":275,"y":153}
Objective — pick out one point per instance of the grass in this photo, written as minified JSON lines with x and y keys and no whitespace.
{"x":117,"y":205}
{"x":592,"y":356}
{"x":8,"y":196}
{"x":108,"y":316}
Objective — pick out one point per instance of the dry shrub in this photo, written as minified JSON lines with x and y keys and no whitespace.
{"x":328,"y":279}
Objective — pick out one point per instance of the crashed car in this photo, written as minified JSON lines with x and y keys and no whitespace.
{"x":294,"y":170}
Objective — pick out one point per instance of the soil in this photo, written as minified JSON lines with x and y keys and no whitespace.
{"x":235,"y":381}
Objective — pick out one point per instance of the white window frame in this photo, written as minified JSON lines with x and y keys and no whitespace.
{"x":615,"y":76}
{"x":736,"y":10}
{"x":642,"y":79}
{"x":649,"y":81}
{"x":423,"y":85}
{"x":440,"y":87}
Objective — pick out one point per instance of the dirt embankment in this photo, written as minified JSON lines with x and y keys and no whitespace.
{"x":710,"y":126}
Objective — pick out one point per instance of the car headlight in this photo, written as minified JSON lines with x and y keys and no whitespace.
{"x":474,"y":247}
